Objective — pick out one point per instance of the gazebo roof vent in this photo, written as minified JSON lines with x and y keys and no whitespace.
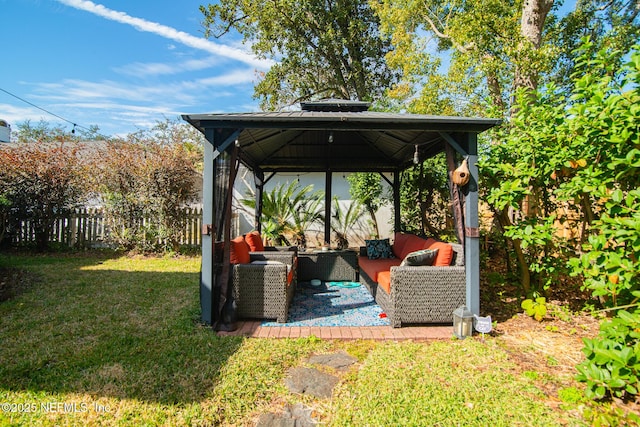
{"x":335,"y":105}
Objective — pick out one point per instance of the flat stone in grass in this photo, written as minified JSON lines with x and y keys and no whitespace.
{"x":297,"y":415}
{"x":340,"y":361}
{"x":311,"y":381}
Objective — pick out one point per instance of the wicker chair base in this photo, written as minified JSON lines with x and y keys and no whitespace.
{"x":262,"y":291}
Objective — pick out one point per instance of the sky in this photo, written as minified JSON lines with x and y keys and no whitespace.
{"x":121,"y":65}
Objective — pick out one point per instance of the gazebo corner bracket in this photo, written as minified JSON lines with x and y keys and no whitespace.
{"x":225,"y":143}
{"x":452,"y":142}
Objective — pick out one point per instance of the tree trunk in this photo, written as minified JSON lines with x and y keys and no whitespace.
{"x":525,"y":274}
{"x":534,"y":14}
{"x":495,"y":90}
{"x":374,"y":222}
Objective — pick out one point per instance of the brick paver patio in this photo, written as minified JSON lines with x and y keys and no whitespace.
{"x":416,"y":333}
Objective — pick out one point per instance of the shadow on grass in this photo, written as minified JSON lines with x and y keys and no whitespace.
{"x":110,"y":327}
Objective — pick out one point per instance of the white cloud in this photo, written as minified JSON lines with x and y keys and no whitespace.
{"x":232,"y":78}
{"x":169,"y":33}
{"x":179,"y":92}
{"x":160,"y":68}
{"x":15,"y":115}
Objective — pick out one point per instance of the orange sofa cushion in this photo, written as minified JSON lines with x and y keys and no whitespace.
{"x":445,"y":252}
{"x":399,"y":240}
{"x":374,"y":266}
{"x":239,"y":251}
{"x":384,"y":281}
{"x":254,"y":241}
{"x":413,"y":244}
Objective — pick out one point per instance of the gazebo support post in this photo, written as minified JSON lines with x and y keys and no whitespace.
{"x":258,"y":179}
{"x":396,"y":201}
{"x":218,"y":140}
{"x":472,"y":231}
{"x":327,"y":207}
{"x":207,"y":275}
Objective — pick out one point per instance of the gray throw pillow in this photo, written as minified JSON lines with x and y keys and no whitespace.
{"x":421,"y":257}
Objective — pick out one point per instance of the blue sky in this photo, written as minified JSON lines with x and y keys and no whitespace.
{"x":122,"y":65}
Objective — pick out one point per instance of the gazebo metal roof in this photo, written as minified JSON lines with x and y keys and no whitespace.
{"x":316,"y":140}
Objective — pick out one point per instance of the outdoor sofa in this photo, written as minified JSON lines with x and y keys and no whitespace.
{"x":264,"y":278}
{"x":414,"y":293}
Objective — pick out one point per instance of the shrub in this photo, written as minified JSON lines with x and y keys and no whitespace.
{"x":40,"y":182}
{"x":607,"y":112}
{"x":144,"y":187}
{"x":612,"y":367}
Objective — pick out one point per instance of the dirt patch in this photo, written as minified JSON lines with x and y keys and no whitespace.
{"x":552,"y":345}
{"x":13,"y":282}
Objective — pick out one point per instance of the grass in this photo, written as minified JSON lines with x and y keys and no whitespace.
{"x":100,"y":340}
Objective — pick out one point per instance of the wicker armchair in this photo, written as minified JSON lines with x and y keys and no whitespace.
{"x":263,"y":289}
{"x":422,"y":294}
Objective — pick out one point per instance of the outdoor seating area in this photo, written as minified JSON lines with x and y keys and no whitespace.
{"x":322,"y":138}
{"x":413,"y":280}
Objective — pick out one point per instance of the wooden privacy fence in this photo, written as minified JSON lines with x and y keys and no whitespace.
{"x":86,"y":228}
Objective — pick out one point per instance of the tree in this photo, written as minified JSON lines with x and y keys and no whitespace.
{"x":40,"y":182}
{"x":493,"y":48}
{"x":424,"y":196}
{"x":45,"y":132}
{"x":577,"y":150}
{"x":498,"y":49}
{"x":172,"y":133}
{"x":608,"y":24}
{"x":366,"y":189}
{"x":476,"y":36}
{"x":321,"y":48}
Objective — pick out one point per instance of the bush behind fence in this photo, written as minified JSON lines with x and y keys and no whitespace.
{"x":86,"y":228}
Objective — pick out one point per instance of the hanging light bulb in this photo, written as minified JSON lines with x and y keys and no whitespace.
{"x":330,"y":137}
{"x":416,"y":156}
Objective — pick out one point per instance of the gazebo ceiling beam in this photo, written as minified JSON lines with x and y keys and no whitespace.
{"x":374,"y":145}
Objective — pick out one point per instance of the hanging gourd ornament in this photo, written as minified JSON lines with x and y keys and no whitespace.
{"x":461,"y":175}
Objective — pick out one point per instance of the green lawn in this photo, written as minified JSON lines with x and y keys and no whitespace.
{"x":104,"y":340}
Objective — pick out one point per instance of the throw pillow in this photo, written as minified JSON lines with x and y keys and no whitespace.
{"x":421,"y":257}
{"x":254,"y":241}
{"x":445,"y":254}
{"x":239,"y":251}
{"x":379,"y":249}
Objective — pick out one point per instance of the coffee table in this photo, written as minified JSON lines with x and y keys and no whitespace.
{"x":332,"y":265}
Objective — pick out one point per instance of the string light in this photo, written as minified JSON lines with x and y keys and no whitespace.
{"x":53,"y":114}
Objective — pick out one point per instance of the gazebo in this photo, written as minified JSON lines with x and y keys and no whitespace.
{"x":329,"y":136}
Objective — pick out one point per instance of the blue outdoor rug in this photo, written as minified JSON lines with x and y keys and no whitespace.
{"x":332,"y":304}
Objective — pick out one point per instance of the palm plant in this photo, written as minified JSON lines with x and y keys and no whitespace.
{"x":343,"y":221}
{"x":288,"y":210}
{"x":306,"y":212}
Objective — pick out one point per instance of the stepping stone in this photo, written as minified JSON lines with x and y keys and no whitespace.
{"x":297,"y":415}
{"x":340,"y":361}
{"x":311,"y":381}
